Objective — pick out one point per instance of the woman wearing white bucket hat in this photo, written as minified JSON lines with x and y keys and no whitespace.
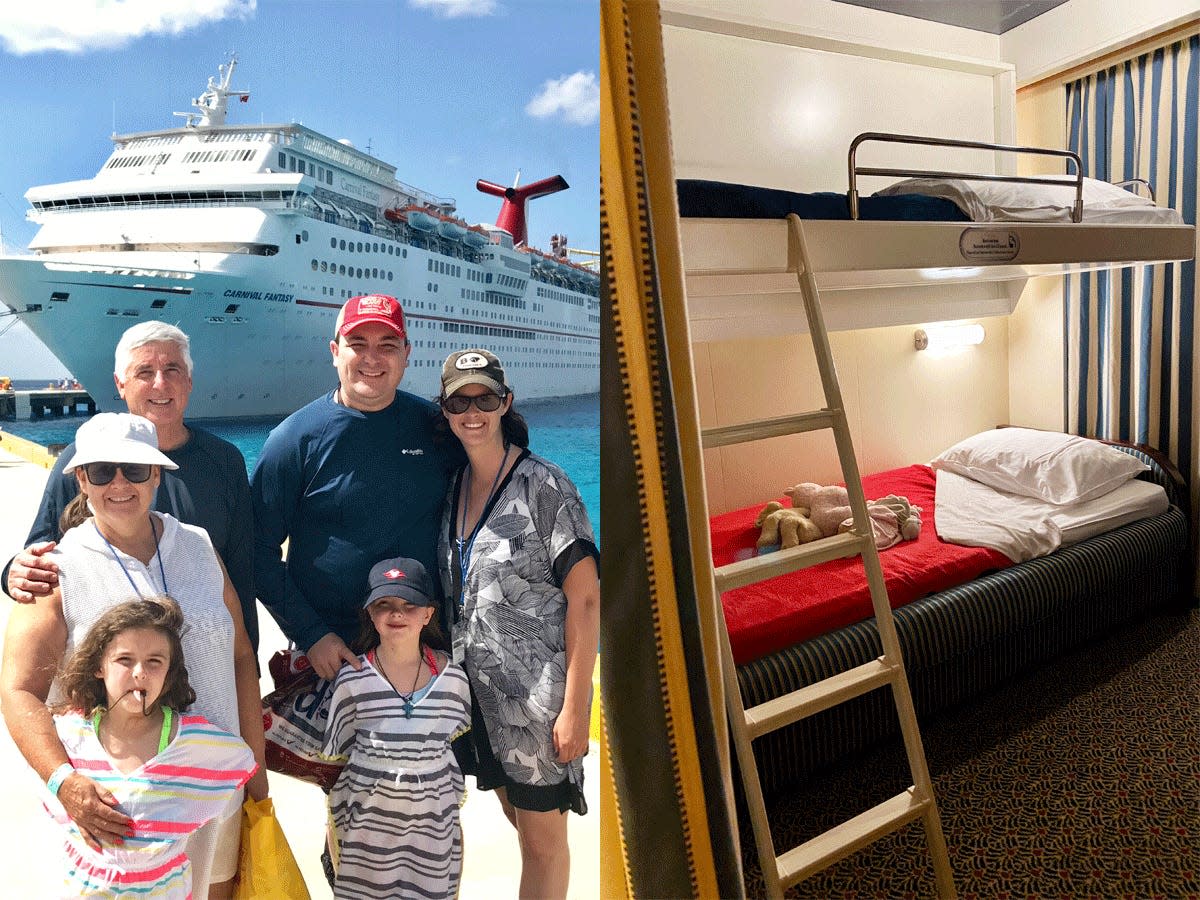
{"x":115,"y":549}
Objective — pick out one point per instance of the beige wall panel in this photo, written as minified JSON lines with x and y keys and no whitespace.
{"x":1035,"y":348}
{"x":903,"y":406}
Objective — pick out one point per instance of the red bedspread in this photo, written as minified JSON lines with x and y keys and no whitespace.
{"x":774,"y":614}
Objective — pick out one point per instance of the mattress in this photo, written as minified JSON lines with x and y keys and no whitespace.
{"x":927,"y":200}
{"x":722,"y":200}
{"x":770,"y":615}
{"x":1024,"y":528}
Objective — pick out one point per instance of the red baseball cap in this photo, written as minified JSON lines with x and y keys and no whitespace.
{"x":371,"y":308}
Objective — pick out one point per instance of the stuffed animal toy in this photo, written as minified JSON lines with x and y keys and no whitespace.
{"x":784,"y":526}
{"x":892,"y":518}
{"x":828,"y":506}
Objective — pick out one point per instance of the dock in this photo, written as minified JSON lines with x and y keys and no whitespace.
{"x":55,"y":402}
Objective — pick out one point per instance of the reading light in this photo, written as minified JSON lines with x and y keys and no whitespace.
{"x":948,"y":338}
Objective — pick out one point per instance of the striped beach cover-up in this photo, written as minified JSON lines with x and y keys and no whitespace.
{"x":170,"y":796}
{"x":395,"y":805}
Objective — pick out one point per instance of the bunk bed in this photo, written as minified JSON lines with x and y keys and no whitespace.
{"x":740,"y":268}
{"x":741,"y":275}
{"x":958,"y":641}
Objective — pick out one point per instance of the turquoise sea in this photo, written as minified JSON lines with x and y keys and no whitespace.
{"x":565,"y":431}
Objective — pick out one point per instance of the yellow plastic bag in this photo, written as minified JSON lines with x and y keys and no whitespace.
{"x":267,"y":869}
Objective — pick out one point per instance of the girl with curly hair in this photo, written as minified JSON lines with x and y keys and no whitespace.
{"x":122,"y":718}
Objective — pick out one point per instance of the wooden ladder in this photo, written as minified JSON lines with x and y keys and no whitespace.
{"x":917,"y":802}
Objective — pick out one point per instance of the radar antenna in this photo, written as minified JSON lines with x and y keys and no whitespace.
{"x":214,"y":102}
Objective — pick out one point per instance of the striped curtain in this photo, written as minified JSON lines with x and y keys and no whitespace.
{"x":1130,"y":336}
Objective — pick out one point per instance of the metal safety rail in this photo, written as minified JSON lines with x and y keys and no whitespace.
{"x":886,"y":137}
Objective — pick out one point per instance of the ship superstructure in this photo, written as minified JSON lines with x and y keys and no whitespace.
{"x":251,"y":237}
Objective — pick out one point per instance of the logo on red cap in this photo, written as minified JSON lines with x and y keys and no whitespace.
{"x":372,"y":308}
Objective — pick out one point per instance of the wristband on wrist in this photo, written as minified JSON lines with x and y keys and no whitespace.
{"x":58,"y":776}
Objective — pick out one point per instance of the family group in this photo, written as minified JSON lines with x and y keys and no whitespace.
{"x":440,"y":578}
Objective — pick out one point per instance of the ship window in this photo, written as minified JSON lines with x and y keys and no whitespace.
{"x":404,"y":252}
{"x":324,"y":266}
{"x":341,"y":270}
{"x":333,"y":243}
{"x":304,"y":234}
{"x":312,"y":169}
{"x":231,"y":309}
{"x":59,"y":296}
{"x":389,"y":276}
{"x":297,"y":239}
{"x":314,"y":265}
{"x":329,"y":177}
{"x":158,"y":304}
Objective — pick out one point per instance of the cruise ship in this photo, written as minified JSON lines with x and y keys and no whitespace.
{"x":251,"y":237}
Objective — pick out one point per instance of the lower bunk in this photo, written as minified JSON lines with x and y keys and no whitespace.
{"x":960,"y":641}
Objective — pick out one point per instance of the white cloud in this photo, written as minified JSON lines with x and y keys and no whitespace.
{"x":575,"y":98}
{"x":75,"y":26}
{"x":455,"y":9}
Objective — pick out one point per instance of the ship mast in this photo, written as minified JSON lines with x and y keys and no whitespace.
{"x":214,"y":102}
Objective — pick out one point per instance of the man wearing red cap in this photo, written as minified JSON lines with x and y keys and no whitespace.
{"x":352,"y":478}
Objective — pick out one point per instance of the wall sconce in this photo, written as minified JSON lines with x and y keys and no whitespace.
{"x":947,"y":338}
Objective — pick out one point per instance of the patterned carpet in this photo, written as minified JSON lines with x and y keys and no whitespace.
{"x":1081,"y":780}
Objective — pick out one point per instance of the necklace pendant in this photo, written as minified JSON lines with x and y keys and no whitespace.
{"x":408,"y":708}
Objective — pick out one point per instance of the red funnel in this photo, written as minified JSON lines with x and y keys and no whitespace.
{"x":512,"y":211}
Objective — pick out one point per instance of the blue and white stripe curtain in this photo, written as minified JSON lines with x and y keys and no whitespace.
{"x":1130,"y":336}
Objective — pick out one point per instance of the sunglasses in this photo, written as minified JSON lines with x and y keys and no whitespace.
{"x":459,"y":404}
{"x":101,"y":473}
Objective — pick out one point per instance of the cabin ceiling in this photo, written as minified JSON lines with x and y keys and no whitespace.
{"x":991,"y":16}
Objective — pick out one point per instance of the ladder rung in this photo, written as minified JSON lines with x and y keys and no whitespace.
{"x":782,"y":711}
{"x":767,"y":428}
{"x":769,"y":565}
{"x":839,"y":842}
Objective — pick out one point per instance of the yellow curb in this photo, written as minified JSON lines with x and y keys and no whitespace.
{"x":27,"y":450}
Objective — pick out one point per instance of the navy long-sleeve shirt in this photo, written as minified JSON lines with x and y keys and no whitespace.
{"x":209,"y":489}
{"x":347,"y":489}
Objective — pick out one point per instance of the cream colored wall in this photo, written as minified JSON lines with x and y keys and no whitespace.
{"x":1035,"y":367}
{"x":903,"y":406}
{"x":764,"y":113}
{"x":1081,"y":30}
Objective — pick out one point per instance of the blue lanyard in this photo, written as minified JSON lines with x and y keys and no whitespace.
{"x":464,"y":546}
{"x":128,"y":577}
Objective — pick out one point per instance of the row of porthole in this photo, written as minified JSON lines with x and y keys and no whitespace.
{"x":353,"y":272}
{"x":365,"y":247}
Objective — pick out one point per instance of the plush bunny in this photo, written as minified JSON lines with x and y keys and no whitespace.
{"x":828,"y":506}
{"x":784,"y":526}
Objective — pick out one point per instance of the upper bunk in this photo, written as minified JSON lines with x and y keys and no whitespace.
{"x":994,"y":233}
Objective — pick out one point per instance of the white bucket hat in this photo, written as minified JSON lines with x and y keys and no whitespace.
{"x":118,"y":438}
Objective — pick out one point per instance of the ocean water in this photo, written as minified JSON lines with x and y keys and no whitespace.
{"x":565,"y":431}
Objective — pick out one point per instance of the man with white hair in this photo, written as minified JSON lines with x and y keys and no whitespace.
{"x":153,"y":374}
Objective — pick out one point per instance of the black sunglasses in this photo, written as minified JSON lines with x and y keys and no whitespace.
{"x":459,"y":404}
{"x":101,"y":473}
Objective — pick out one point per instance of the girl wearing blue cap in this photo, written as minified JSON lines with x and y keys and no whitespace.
{"x":395,"y":805}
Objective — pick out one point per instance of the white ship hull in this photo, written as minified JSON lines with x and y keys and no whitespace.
{"x":251,"y":237}
{"x":260,"y":326}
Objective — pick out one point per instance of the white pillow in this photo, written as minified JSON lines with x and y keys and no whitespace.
{"x":1057,"y":468}
{"x":1001,"y":201}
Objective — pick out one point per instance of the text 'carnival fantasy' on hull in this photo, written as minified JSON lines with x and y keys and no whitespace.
{"x":251,"y":237}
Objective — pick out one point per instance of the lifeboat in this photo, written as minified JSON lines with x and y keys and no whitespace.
{"x":420,"y":219}
{"x":450,"y":229}
{"x":395,"y":215}
{"x":476,"y":237}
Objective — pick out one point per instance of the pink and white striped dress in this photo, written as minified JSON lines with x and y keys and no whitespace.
{"x":186,"y":785}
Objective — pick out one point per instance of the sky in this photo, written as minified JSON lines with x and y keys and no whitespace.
{"x":447,"y":91}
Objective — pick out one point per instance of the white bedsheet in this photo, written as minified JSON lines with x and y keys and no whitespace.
{"x":999,"y":201}
{"x":1022,"y":528}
